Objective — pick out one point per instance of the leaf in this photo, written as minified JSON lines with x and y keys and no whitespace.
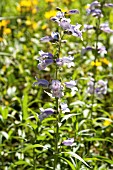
{"x":4,"y":134}
{"x":66,"y":117}
{"x":70,"y":164}
{"x":22,"y":163}
{"x":27,"y":148}
{"x":4,"y":111}
{"x":99,"y":139}
{"x":24,"y":106}
{"x":77,"y":157}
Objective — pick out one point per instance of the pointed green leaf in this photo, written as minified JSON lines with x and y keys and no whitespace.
{"x":66,"y":117}
{"x":77,"y":157}
{"x":70,"y":164}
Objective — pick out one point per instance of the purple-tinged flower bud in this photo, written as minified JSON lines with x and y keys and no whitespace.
{"x":54,"y":37}
{"x":55,"y":19}
{"x":73,"y":11}
{"x":84,"y":50}
{"x":108,"y":5}
{"x":45,"y":55}
{"x":70,"y":84}
{"x":94,"y":4}
{"x":90,"y":88}
{"x":41,"y":82}
{"x":46,"y":39}
{"x":74,"y":29}
{"x":68,"y":142}
{"x":45,"y":113}
{"x":88,"y":27}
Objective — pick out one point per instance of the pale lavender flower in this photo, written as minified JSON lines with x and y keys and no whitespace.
{"x":54,"y":37}
{"x":46,"y":39}
{"x":45,"y":60}
{"x":56,"y":88}
{"x":65,"y":60}
{"x":102,"y":50}
{"x":101,"y":87}
{"x":68,"y":142}
{"x":70,"y":84}
{"x":74,"y":29}
{"x":105,"y":27}
{"x":65,"y":23}
{"x":64,"y":107}
{"x":41,"y":82}
{"x":45,"y":113}
{"x":44,"y":55}
{"x":88,"y":27}
{"x":96,"y":12}
{"x":43,"y":64}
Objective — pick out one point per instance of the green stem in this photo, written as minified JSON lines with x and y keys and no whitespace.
{"x":57,"y":135}
{"x":34,"y":153}
{"x":57,"y":108}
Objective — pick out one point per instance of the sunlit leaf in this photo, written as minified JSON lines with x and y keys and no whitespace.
{"x":77,"y":157}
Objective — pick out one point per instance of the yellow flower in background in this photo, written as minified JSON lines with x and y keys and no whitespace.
{"x":104,"y":60}
{"x":28,"y":22}
{"x":108,"y":122}
{"x":49,"y":0}
{"x":34,"y":2}
{"x":7,"y":31}
{"x":44,"y":26}
{"x":27,"y":5}
{"x":50,"y":14}
{"x":4,"y":23}
{"x":96,"y":63}
{"x":1,"y":39}
{"x":34,"y":11}
{"x":34,"y":25}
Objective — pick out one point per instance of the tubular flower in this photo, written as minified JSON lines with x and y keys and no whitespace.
{"x":45,"y":60}
{"x":99,"y":88}
{"x":105,"y":27}
{"x":68,"y":142}
{"x":41,"y":82}
{"x":56,"y":88}
{"x":53,"y":38}
{"x":45,"y":113}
